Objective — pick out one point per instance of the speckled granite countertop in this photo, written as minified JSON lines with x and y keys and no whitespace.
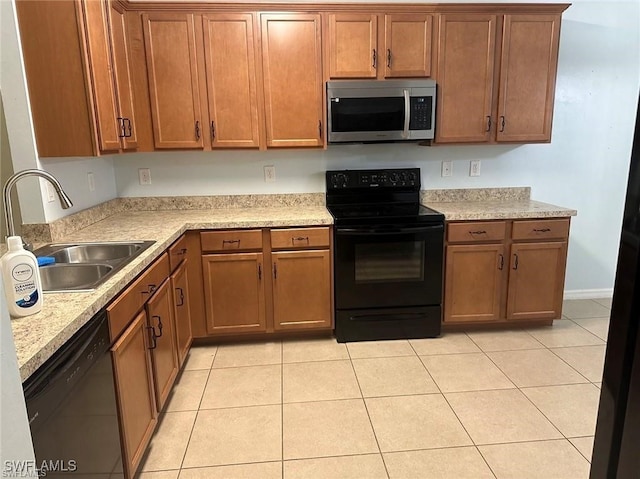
{"x":38,"y":336}
{"x":490,"y":204}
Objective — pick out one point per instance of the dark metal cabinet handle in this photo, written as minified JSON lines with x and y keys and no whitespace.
{"x":181,"y":296}
{"x":128,"y":133}
{"x":502,"y":122}
{"x":388,"y":58}
{"x":235,"y":241}
{"x":515,"y":262}
{"x":300,"y":238}
{"x":275,"y":271}
{"x":320,"y":129}
{"x":159,"y":326}
{"x":213,"y":130}
{"x":181,"y":252}
{"x":197,"y":129}
{"x":488,"y":123}
{"x":501,"y":267}
{"x":153,"y":337}
{"x":374,"y":59}
{"x":479,"y":232}
{"x":259,"y":272}
{"x":542,"y":230}
{"x":123,"y":131}
{"x":151,"y":288}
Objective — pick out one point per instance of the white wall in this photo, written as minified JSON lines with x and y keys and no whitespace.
{"x":585,"y":167}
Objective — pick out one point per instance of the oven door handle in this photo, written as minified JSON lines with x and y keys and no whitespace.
{"x":407,"y":113}
{"x":391,"y":231}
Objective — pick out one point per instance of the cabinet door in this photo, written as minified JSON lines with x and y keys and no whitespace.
{"x":123,"y":78}
{"x":353,"y":50}
{"x":101,"y":72}
{"x":170,"y":47}
{"x":407,"y":46}
{"x":231,"y":80}
{"x":134,"y":387}
{"x":465,"y":78}
{"x":164,"y":355}
{"x":473,"y":282}
{"x":291,"y":55}
{"x":182,"y":312}
{"x":536,"y":280}
{"x":234,"y":292}
{"x":528,"y":77}
{"x":302,"y":289}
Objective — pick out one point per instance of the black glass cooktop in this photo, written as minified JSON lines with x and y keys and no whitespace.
{"x":384,"y":213}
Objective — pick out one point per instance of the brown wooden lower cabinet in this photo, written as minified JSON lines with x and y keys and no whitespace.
{"x":514,"y":274}
{"x":536,"y":280}
{"x":164,"y":356}
{"x":473,"y":285}
{"x":302,"y":289}
{"x":234,"y":292}
{"x":134,"y":385}
{"x":182,"y":311}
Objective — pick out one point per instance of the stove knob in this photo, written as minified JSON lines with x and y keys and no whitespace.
{"x":394,"y":178}
{"x":339,"y":180}
{"x":412,"y":177}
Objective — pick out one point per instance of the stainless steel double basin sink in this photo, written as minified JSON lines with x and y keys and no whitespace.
{"x":85,"y":266}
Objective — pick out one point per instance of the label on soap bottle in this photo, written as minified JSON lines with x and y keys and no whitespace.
{"x":25,"y":290}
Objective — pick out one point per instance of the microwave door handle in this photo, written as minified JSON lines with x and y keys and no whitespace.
{"x":407,"y":114}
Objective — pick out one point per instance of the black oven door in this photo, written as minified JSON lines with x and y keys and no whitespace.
{"x":387,"y":267}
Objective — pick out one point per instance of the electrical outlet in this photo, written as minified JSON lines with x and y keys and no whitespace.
{"x":144,"y":175}
{"x":474,"y":168}
{"x":447,"y":168}
{"x":51,"y":192}
{"x":92,"y":181}
{"x":269,"y":174}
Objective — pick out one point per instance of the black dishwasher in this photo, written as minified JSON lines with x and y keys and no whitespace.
{"x":71,"y":403}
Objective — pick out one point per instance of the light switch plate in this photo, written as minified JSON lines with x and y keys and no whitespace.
{"x":92,"y":181}
{"x":474,"y":168}
{"x":269,"y":174}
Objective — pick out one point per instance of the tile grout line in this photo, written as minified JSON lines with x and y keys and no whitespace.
{"x":184,"y":455}
{"x":373,"y":429}
{"x":567,"y":363}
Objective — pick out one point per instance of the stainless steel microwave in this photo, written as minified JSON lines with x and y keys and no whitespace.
{"x":380,"y":110}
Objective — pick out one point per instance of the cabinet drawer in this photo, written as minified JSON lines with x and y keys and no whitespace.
{"x":477,"y":231}
{"x":294,"y":238}
{"x":540,"y":229}
{"x":177,"y":252}
{"x":129,"y":302}
{"x":231,"y":240}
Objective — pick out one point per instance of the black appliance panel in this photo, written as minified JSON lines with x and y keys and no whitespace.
{"x":388,"y":323}
{"x":381,"y":267}
{"x":71,"y":404}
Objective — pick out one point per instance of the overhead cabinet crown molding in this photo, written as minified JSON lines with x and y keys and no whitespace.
{"x":108,"y":76}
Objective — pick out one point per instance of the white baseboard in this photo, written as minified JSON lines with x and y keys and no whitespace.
{"x":588,"y":293}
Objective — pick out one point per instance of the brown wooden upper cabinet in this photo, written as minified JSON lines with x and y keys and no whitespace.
{"x":359,"y":49}
{"x":78,"y":76}
{"x":230,"y":62}
{"x":293,"y":86}
{"x":170,"y":45}
{"x":496,"y":77}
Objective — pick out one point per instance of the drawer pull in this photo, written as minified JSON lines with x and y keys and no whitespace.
{"x":259,"y":272}
{"x":275,"y":271}
{"x":181,"y":252}
{"x":181,"y":296}
{"x":159,"y":326}
{"x":479,"y":232}
{"x":501,"y":267}
{"x":515,"y":261}
{"x":150,"y":289}
{"x":300,"y":238}
{"x":235,"y":241}
{"x":153,"y":338}
{"x":541,"y":230}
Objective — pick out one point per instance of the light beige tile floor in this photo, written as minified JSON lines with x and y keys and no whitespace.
{"x":498,"y":404}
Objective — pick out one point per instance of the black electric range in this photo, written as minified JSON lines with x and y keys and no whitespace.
{"x":388,"y":255}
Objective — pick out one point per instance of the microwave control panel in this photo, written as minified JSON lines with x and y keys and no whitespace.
{"x":421,"y":108}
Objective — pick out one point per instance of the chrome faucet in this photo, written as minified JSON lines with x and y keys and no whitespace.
{"x":65,"y":201}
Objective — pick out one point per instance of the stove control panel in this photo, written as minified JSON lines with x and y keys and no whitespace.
{"x":388,"y":178}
